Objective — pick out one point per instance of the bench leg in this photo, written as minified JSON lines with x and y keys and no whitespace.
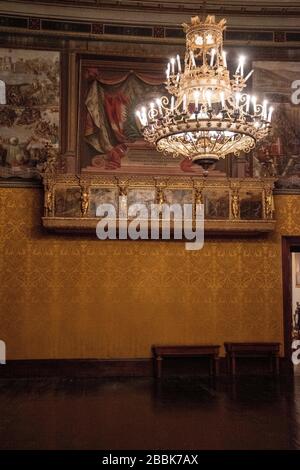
{"x":217,"y":366}
{"x":158,"y":364}
{"x":228,"y":364}
{"x":211,"y":367}
{"x":233,"y":365}
{"x":277,"y":370}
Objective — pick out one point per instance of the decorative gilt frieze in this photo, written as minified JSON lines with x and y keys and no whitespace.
{"x":80,"y":198}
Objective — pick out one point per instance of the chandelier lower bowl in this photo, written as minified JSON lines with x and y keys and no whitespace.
{"x":205,"y":160}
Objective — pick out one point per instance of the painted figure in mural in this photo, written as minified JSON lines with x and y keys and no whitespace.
{"x":15,"y":153}
{"x":2,"y":92}
{"x":49,"y":160}
{"x":8,"y":117}
{"x":268,"y":167}
{"x":279,"y":154}
{"x":296,"y":322}
{"x":33,"y":148}
{"x":30,"y":117}
{"x":3,"y":153}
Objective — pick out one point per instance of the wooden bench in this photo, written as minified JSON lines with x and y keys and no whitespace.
{"x":211,"y":351}
{"x":260,"y":350}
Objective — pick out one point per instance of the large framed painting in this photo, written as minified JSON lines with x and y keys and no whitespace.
{"x":29,"y":115}
{"x":279,"y":155}
{"x":110,"y":141}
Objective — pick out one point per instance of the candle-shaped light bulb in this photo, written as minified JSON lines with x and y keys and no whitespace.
{"x":212,"y":57}
{"x":208,"y":97}
{"x":158,"y":102}
{"x":243,"y":61}
{"x":271,"y":109}
{"x":168,"y":71}
{"x":173,"y":65}
{"x":178,"y":63}
{"x":151,"y":114}
{"x":196,"y":96}
{"x":249,"y":75}
{"x":184,"y":104}
{"x":222,"y":97}
{"x":237,"y":99}
{"x":240,"y":68}
{"x":172,"y":61}
{"x":172,"y":104}
{"x":264,"y":109}
{"x":138,"y":113}
{"x":248,"y":99}
{"x":224,"y":56}
{"x":144,"y":116}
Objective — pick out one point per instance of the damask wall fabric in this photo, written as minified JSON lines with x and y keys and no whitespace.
{"x":78,"y":297}
{"x":30,"y":118}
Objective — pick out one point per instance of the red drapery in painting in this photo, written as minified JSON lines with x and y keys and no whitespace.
{"x":114,"y":105}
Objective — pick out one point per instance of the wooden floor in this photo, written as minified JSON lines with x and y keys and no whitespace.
{"x":187,"y":413}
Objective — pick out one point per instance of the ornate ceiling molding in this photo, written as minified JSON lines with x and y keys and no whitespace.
{"x":259,"y":7}
{"x":57,"y":23}
{"x":255,"y":15}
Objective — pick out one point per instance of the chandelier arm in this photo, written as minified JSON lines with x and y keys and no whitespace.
{"x":204,"y":138}
{"x":232,"y":144}
{"x":218,"y":138}
{"x":194,"y":146}
{"x":185,"y":146}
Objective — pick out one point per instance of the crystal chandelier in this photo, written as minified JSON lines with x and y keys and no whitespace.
{"x":207,"y":114}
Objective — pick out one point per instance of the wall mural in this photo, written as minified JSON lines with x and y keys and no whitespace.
{"x":29,"y":121}
{"x":279,"y":155}
{"x":110,"y":141}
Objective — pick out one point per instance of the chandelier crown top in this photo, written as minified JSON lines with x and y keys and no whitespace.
{"x":204,"y":33}
{"x":204,"y":22}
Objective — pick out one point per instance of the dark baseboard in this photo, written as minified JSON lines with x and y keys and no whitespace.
{"x":97,"y":368}
{"x":89,"y":368}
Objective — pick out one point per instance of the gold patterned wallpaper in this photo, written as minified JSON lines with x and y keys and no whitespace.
{"x":78,"y":297}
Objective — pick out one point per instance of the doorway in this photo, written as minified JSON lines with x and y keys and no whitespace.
{"x":291,"y":300}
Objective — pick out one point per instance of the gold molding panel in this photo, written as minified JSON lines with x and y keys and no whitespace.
{"x":231,"y":206}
